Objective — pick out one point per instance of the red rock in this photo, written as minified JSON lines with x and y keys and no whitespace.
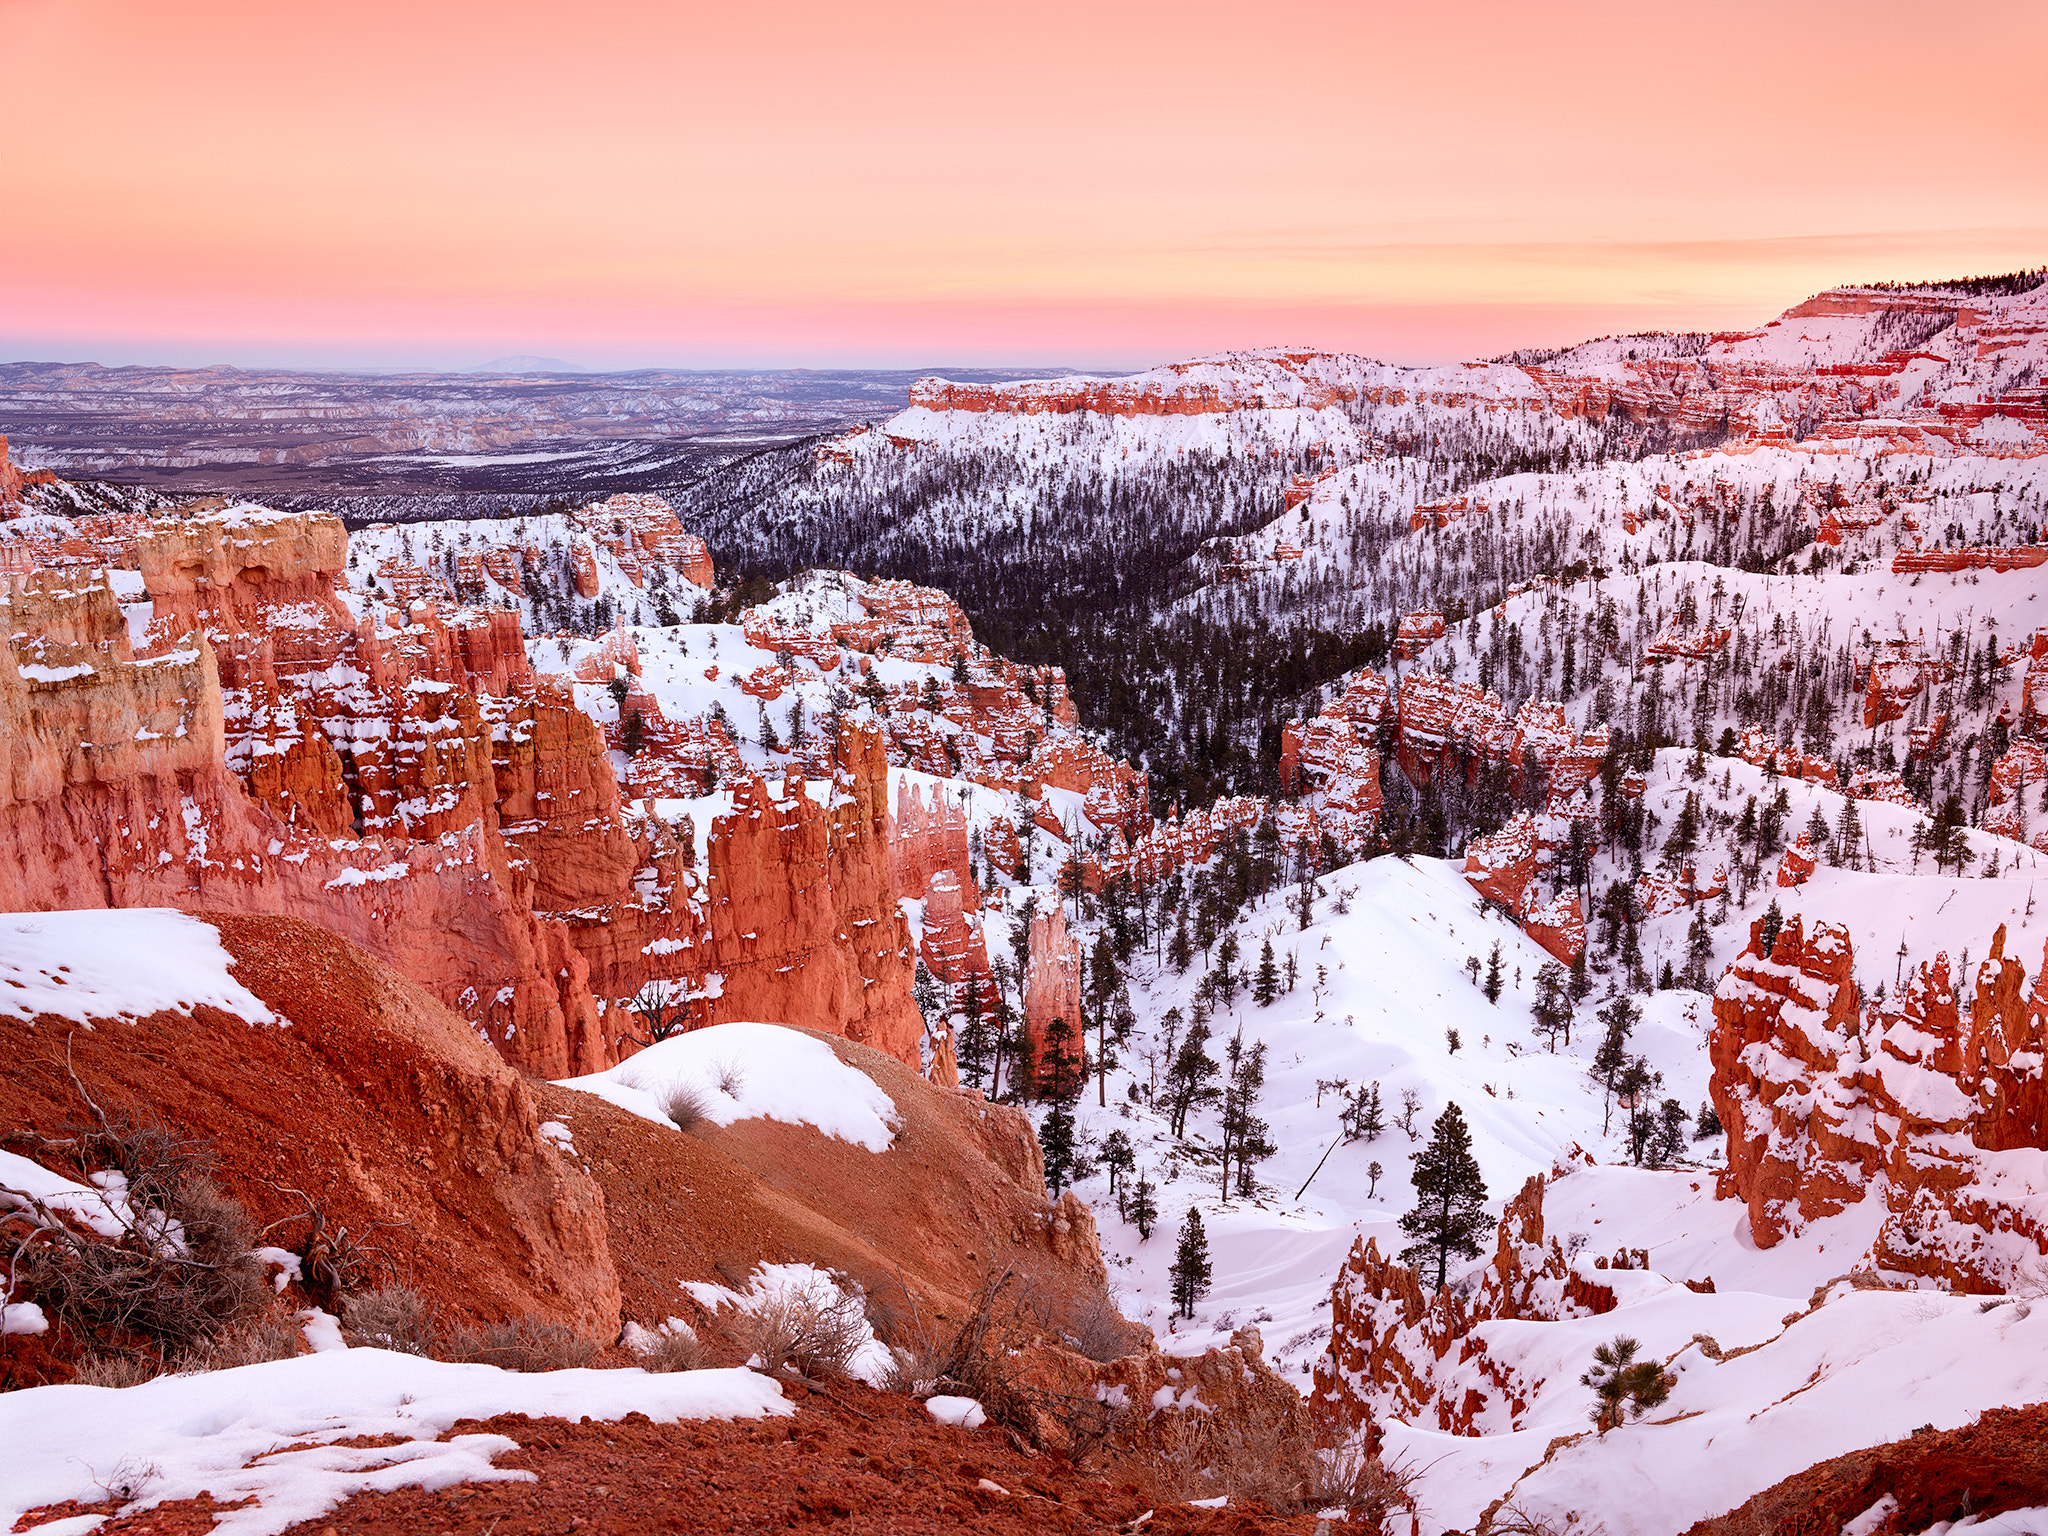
{"x":1396,"y":1353}
{"x":928,"y":858}
{"x":1907,"y":561}
{"x":1696,"y":646}
{"x":1052,"y":977}
{"x":2015,"y":789}
{"x":1784,"y":1024}
{"x":1796,"y":864}
{"x":1760,"y":749}
{"x":1417,"y":633}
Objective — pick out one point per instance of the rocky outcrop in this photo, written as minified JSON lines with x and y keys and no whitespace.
{"x":1396,"y":1353}
{"x":929,"y":861}
{"x":1967,"y":558}
{"x":364,"y":1098}
{"x":1417,"y":633}
{"x":2016,"y":782}
{"x":1052,"y":977}
{"x":1761,"y":749}
{"x":642,"y":532}
{"x":1262,"y":381}
{"x":1938,"y":1113}
{"x":1505,"y":867}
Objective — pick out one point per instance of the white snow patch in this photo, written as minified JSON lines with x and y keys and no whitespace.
{"x":122,"y":964}
{"x":752,"y":1071}
{"x":222,"y":1432}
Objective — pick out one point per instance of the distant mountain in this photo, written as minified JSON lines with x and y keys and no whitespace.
{"x":521,"y":363}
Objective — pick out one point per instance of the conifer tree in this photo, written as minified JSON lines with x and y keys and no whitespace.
{"x":1450,"y":1199}
{"x":1118,"y":1159}
{"x":974,"y":1047}
{"x":1493,"y":982}
{"x":1191,"y":1268}
{"x":1266,"y":981}
{"x":1363,"y":1116}
{"x":1188,"y":1080}
{"x":1057,"y":1144}
{"x":1143,"y":1209}
{"x":1552,"y":1009}
{"x":1620,"y":1017}
{"x":1623,"y":1386}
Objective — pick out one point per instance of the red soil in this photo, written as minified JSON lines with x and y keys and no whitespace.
{"x":851,"y":1460}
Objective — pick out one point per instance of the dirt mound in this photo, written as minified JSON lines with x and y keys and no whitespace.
{"x":373,"y":1099}
{"x":1998,"y":1463}
{"x":850,"y":1460}
{"x":962,"y":1188}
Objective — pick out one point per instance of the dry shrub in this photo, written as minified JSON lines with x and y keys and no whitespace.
{"x":1266,"y":1456}
{"x":113,"y":1371}
{"x":731,"y":1078}
{"x":1099,"y":1331}
{"x":686,"y":1107}
{"x":675,"y":1349}
{"x":524,"y":1344}
{"x":179,"y":1270}
{"x":813,"y":1328}
{"x":1511,"y":1519}
{"x":1371,"y":1491}
{"x":271,"y":1335}
{"x":394,"y":1317}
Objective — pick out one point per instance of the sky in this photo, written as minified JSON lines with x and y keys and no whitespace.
{"x":625,"y":184}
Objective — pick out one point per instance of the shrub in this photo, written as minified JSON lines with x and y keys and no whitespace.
{"x":113,"y":1371}
{"x":816,"y":1328}
{"x":394,"y":1317}
{"x":524,"y":1344}
{"x":177,"y":1266}
{"x":674,"y":1349}
{"x":686,"y":1107}
{"x":270,"y":1335}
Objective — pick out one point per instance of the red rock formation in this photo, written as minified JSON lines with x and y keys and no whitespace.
{"x":804,"y":926}
{"x":1682,"y":647}
{"x":2016,"y":780}
{"x":14,"y":480}
{"x":1796,"y":864}
{"x":1784,"y":1025}
{"x":1395,"y":1353}
{"x":1939,"y":1116}
{"x":928,"y":857}
{"x":1052,"y":977}
{"x":1907,"y":561}
{"x":1418,"y":632}
{"x":1271,"y":381}
{"x":641,"y":530}
{"x":1505,"y":868}
{"x":1760,"y":749}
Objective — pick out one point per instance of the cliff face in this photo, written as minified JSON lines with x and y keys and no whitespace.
{"x":1939,"y":1114}
{"x":403,"y":778}
{"x":1396,"y":1353}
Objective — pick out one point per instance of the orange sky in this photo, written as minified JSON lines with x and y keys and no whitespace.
{"x":627,"y":184}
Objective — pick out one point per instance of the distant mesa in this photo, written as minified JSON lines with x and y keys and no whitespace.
{"x":521,"y":363}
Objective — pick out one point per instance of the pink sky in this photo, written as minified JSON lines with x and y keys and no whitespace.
{"x":639,"y":184}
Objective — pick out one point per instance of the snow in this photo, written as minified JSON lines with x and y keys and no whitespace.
{"x":127,"y":963}
{"x":962,"y":1411}
{"x":745,"y":1071}
{"x":1393,"y":983}
{"x":806,"y":1285}
{"x":227,"y":1432}
{"x":1866,"y":1367}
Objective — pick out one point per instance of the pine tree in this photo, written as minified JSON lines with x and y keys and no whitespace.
{"x":1450,"y":1199}
{"x":1552,"y":1009}
{"x":1143,"y":1208}
{"x":1266,"y":981}
{"x":1620,"y":1017}
{"x":974,"y":1048}
{"x":1493,"y":982}
{"x":1188,"y":1080}
{"x":1191,"y":1267}
{"x":1118,"y":1159}
{"x":1708,"y":1124}
{"x":1623,"y":1386}
{"x":1057,"y":1144}
{"x":1063,"y":1071}
{"x":1363,"y":1116}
